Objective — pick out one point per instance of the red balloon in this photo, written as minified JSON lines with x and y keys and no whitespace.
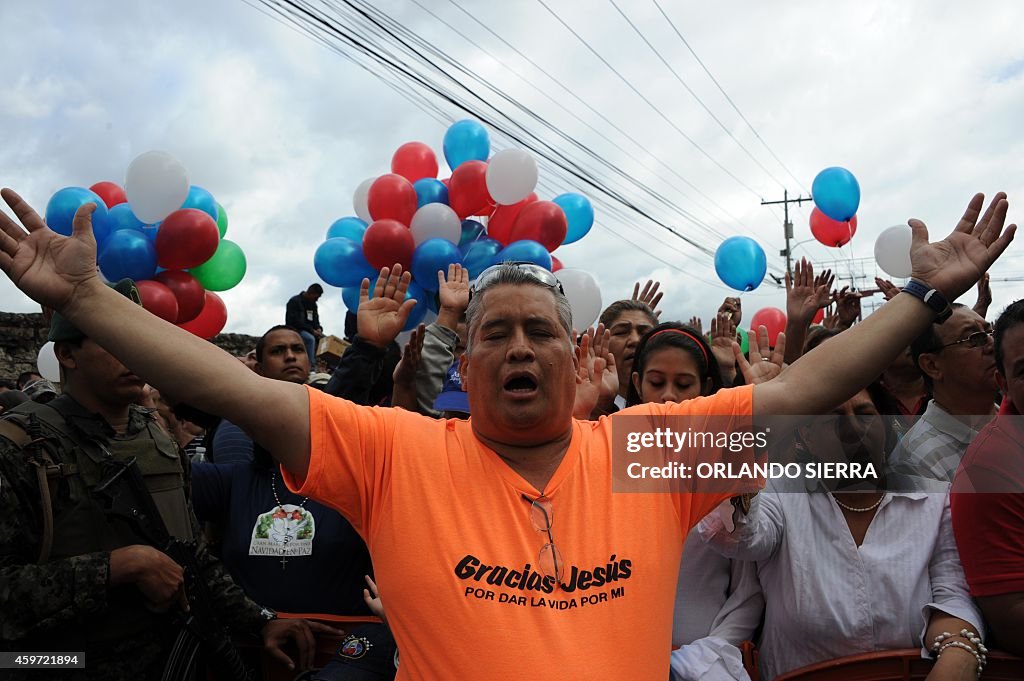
{"x":832,"y":232}
{"x":499,"y":226}
{"x":211,"y":320}
{"x":387,"y":242}
{"x":111,"y":193}
{"x":771,"y":317}
{"x":414,"y":161}
{"x":187,"y":237}
{"x":467,"y":191}
{"x":187,"y":290}
{"x":391,"y":197}
{"x":556,"y":264}
{"x":158,"y":299}
{"x":543,"y":222}
{"x":819,"y":316}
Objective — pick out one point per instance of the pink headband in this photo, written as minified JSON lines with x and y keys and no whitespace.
{"x":688,"y":335}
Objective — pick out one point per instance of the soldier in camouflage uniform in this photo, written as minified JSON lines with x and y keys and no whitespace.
{"x":81,"y":581}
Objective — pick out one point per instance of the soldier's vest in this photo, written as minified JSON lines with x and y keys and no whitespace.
{"x":69,"y":463}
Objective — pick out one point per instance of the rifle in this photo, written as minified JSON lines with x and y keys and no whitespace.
{"x":123,"y":493}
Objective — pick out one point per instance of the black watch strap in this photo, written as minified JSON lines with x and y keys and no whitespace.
{"x":931,"y":297}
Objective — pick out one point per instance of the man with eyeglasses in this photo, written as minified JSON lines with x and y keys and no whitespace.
{"x":959,"y":367}
{"x":463,"y":518}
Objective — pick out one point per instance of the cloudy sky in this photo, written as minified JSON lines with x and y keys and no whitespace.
{"x":920,"y":99}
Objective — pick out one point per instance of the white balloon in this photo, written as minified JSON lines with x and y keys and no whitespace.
{"x":156,"y":185}
{"x":892,"y":251}
{"x":511,"y":176}
{"x":47,"y":364}
{"x":359,"y":201}
{"x":584,"y":296}
{"x":435,"y":221}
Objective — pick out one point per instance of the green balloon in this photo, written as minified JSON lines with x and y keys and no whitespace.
{"x":742,"y":336}
{"x":222,"y":271}
{"x":222,"y":220}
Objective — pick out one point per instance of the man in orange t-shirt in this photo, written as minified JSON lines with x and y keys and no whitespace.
{"x":439,"y":502}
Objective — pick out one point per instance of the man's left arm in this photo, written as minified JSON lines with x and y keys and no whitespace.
{"x":828,"y":376}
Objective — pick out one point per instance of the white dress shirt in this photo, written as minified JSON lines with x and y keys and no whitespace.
{"x":825,"y":597}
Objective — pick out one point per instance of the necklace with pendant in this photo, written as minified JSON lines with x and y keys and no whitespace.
{"x":280,"y":507}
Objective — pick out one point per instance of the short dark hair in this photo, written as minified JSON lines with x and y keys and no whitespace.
{"x":1012,"y":316}
{"x":927,"y":342}
{"x":7,"y":383}
{"x":613,"y":311}
{"x":315,"y":288}
{"x":685,"y":338}
{"x":262,"y":342}
{"x":26,"y":377}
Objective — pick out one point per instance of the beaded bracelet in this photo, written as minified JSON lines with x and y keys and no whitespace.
{"x":961,"y":644}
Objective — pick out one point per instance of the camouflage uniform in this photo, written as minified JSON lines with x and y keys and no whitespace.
{"x":65,"y":604}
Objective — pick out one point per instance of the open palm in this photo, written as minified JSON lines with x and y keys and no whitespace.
{"x":48,"y":267}
{"x":380,"y":319}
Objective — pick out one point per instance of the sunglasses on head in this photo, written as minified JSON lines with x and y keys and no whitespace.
{"x":533,"y":270}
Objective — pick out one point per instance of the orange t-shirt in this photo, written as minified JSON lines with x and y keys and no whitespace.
{"x":455,"y":551}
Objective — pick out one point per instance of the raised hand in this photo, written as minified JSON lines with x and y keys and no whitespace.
{"x":723,"y":335}
{"x":847,"y":307}
{"x":954,"y":264}
{"x":765,"y":363}
{"x":888,"y":289}
{"x":380,"y":319}
{"x":453,"y":295}
{"x":732,"y":306}
{"x":696,"y":323}
{"x":649,"y":296}
{"x":589,"y":378}
{"x":984,"y":296}
{"x":805,"y":293}
{"x":49,"y":268}
{"x":372,"y":599}
{"x":600,"y":339}
{"x":405,"y":370}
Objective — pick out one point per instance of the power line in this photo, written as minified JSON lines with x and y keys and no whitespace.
{"x":682,"y":82}
{"x":727,"y":97}
{"x":647,"y":100}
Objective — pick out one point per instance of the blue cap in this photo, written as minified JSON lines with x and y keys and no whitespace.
{"x":452,"y":397}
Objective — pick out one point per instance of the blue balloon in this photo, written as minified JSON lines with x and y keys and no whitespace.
{"x":525,"y":251}
{"x":151,"y":230}
{"x":578,"y":212}
{"x":340,"y":262}
{"x":350,"y":295}
{"x":741,"y":263}
{"x":471,"y":231}
{"x":128,"y":254}
{"x":466,"y":141}
{"x":349,"y":228}
{"x":420,"y":311}
{"x":200,"y":199}
{"x":836,"y":193}
{"x":480,"y":255}
{"x":431,"y":256}
{"x":122,"y":217}
{"x":429,"y":190}
{"x":62,"y":206}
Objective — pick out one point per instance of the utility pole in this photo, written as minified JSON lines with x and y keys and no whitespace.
{"x":787,"y":225}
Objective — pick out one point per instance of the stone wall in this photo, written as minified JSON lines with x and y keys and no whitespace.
{"x":21,"y":336}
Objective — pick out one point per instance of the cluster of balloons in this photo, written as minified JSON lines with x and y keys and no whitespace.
{"x":166,"y":235}
{"x":486,"y":212}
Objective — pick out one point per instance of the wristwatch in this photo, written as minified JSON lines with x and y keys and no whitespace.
{"x":268,"y":615}
{"x":931,"y":297}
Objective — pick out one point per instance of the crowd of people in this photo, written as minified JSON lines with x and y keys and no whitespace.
{"x":446,"y":509}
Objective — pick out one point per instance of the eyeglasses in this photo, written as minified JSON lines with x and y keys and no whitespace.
{"x":532,"y":270}
{"x":549,"y":558}
{"x":975,"y":340}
